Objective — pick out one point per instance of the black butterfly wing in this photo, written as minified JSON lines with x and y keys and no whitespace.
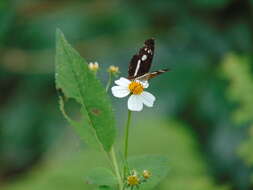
{"x":141,"y":62}
{"x":132,"y":66}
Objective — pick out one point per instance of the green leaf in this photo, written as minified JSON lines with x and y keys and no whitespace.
{"x":76,"y":81}
{"x":156,"y":164}
{"x":102,"y":177}
{"x":85,"y":133}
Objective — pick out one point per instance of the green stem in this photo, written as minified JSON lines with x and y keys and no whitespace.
{"x":109,"y":82}
{"x":116,"y":168}
{"x":126,"y":141}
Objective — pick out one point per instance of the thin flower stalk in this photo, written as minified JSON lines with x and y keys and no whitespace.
{"x":126,"y":141}
{"x":109,"y":81}
{"x":116,"y":168}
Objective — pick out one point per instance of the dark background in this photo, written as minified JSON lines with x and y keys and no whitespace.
{"x":193,"y":120}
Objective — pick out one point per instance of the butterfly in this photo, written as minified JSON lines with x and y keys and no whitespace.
{"x":140,"y":63}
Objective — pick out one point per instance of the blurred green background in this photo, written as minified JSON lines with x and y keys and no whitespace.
{"x":203,"y":116}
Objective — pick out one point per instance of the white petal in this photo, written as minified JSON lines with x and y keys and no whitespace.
{"x":135,"y":103}
{"x":120,"y":91}
{"x":145,"y":83}
{"x":147,"y":98}
{"x":123,"y":82}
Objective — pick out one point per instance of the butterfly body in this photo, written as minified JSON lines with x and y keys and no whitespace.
{"x":140,"y":63}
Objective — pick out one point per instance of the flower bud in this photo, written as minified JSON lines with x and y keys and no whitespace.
{"x":93,"y":66}
{"x":113,"y":69}
{"x":146,"y":174}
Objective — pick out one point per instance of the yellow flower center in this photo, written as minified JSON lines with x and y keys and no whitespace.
{"x":133,"y":180}
{"x":136,"y":87}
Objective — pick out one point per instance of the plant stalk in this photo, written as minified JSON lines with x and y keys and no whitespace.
{"x":126,"y":142}
{"x":116,"y":168}
{"x":109,"y":82}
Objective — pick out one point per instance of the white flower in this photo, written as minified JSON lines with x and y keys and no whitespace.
{"x":138,"y":96}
